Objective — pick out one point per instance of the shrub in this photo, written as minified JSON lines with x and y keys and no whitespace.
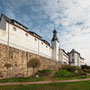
{"x":63,"y":73}
{"x":79,"y":74}
{"x":44,"y":72}
{"x":70,"y":68}
{"x":87,"y":70}
{"x":85,"y":67}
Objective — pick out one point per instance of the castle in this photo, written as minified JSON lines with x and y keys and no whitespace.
{"x":14,"y":34}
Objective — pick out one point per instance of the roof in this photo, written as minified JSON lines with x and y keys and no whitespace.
{"x":74,"y":51}
{"x":11,"y":20}
{"x":54,"y":35}
{"x":46,"y":42}
{"x":35,"y":34}
{"x":82,"y":58}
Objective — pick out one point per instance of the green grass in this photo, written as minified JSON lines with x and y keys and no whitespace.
{"x":58,"y":75}
{"x":66,"y":75}
{"x":63,"y":73}
{"x":84,"y":85}
{"x":34,"y":79}
{"x":25,"y":79}
{"x":45,"y":72}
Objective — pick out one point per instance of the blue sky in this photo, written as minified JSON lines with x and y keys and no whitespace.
{"x":71,"y":19}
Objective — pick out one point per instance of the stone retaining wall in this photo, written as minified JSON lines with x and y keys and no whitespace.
{"x":18,"y":60}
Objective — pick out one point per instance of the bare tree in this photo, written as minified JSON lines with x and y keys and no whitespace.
{"x":34,"y":63}
{"x":7,"y":65}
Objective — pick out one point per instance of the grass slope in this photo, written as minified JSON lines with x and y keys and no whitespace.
{"x":84,"y":85}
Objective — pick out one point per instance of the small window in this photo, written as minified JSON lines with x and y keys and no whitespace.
{"x":42,"y":43}
{"x":14,"y":28}
{"x":72,"y":60}
{"x":72,"y":54}
{"x":35,"y":39}
{"x":26,"y":34}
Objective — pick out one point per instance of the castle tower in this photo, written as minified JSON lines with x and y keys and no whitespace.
{"x":55,"y":46}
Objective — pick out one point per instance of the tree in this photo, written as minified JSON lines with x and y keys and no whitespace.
{"x":34,"y":63}
{"x":7,"y":65}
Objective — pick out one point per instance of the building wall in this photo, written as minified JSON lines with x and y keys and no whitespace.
{"x":55,"y":51}
{"x":3,"y":24}
{"x":20,"y":40}
{"x":76,"y":58}
{"x":60,"y":56}
{"x":81,"y":61}
{"x":63,"y":57}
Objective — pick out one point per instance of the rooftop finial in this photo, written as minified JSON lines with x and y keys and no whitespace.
{"x":54,"y":26}
{"x":54,"y":35}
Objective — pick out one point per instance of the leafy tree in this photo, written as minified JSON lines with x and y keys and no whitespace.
{"x":34,"y":63}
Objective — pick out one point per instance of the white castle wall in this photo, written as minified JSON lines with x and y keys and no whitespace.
{"x":76,"y":58}
{"x":63,"y":57}
{"x":20,"y":40}
{"x":3,"y":24}
{"x":81,"y":62}
{"x":55,"y":53}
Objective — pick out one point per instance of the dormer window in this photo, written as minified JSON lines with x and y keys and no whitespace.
{"x":42,"y":43}
{"x":35,"y":39}
{"x":72,"y":60}
{"x":72,"y":54}
{"x":14,"y":28}
{"x":26,"y":34}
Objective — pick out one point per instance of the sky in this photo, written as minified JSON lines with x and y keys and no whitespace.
{"x":71,"y":19}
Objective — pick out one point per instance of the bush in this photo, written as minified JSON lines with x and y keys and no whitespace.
{"x":87,"y":70}
{"x":44,"y":72}
{"x":63,"y":73}
{"x":85,"y":67}
{"x":79,"y":74}
{"x":70,"y":68}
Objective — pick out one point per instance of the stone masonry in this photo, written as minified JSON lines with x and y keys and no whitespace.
{"x":18,"y":60}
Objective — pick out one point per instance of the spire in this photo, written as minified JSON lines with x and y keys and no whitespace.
{"x":54,"y":35}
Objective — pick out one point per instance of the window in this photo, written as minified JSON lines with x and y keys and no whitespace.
{"x":14,"y":28}
{"x":42,"y":43}
{"x":72,"y":60}
{"x":72,"y":54}
{"x":26,"y":34}
{"x":35,"y":39}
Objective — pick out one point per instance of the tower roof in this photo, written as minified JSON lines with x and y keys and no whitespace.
{"x":54,"y":31}
{"x":55,"y":35}
{"x":74,"y":51}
